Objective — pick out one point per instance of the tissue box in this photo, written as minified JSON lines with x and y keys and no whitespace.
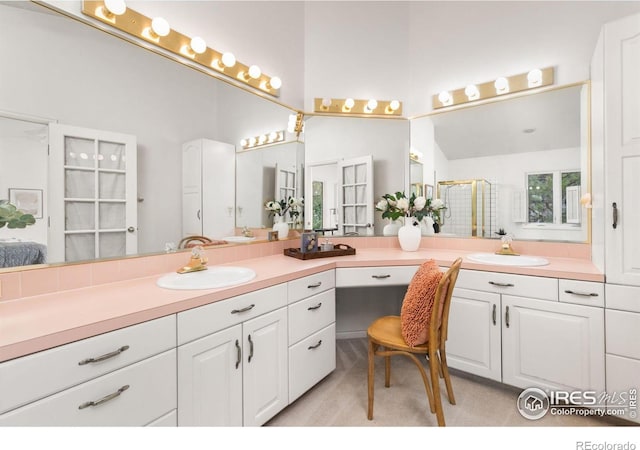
{"x":309,"y":242}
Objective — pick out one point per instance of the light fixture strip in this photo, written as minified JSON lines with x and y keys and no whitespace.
{"x":340,"y":106}
{"x":138,"y":25}
{"x":264,"y":139}
{"x":517,"y":83}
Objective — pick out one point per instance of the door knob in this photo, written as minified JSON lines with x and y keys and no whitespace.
{"x":131,"y":229}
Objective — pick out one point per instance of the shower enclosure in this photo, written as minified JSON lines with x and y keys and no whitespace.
{"x":470,"y":207}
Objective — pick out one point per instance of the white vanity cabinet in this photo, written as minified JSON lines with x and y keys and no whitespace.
{"x":514,"y":329}
{"x":232,"y":360}
{"x":122,"y":378}
{"x":312,"y":331}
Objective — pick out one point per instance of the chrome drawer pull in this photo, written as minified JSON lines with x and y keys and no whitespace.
{"x":501,"y":284}
{"x":494,"y":314}
{"x":103,"y":357}
{"x":311,"y":308}
{"x":380,"y":277}
{"x":506,"y":317}
{"x":105,"y":399}
{"x":248,"y":308}
{"x":250,"y":349}
{"x":238,"y":354}
{"x":584,"y":294}
{"x":311,"y":347}
{"x":315,"y":285}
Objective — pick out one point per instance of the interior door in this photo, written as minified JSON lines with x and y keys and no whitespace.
{"x":355,"y":199}
{"x":285,"y":185}
{"x":92,"y":194}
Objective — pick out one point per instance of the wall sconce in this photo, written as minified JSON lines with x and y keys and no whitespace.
{"x":500,"y":86}
{"x":369,"y":107}
{"x":263,"y":139}
{"x":296,"y":124}
{"x":157,"y":31}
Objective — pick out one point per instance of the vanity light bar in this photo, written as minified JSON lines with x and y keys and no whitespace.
{"x":263,"y":139}
{"x":158,"y":32}
{"x":503,"y":85}
{"x":360,"y":107}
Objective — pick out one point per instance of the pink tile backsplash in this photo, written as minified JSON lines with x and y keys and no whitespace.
{"x":50,"y":279}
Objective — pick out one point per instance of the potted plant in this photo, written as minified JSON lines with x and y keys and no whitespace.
{"x":12,"y":217}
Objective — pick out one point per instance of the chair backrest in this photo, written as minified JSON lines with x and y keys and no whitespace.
{"x":438,"y":328}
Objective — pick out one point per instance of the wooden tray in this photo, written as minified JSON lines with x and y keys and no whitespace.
{"x":338,"y":250}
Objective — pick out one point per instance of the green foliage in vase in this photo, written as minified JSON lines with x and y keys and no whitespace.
{"x":12,"y":217}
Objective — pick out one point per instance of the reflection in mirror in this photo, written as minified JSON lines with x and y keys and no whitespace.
{"x":517,"y":166}
{"x":272,"y":172}
{"x":96,"y":81}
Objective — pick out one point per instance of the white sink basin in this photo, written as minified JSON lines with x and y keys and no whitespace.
{"x":213,"y":277}
{"x":238,"y":239}
{"x":507,"y":260}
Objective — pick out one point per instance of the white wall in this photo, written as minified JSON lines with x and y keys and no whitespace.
{"x":333,"y":138}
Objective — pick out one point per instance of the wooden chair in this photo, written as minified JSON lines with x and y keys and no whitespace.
{"x":385,"y":339}
{"x":191,"y":241}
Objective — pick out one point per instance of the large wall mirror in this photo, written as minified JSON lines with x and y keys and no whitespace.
{"x":518,"y":166}
{"x":66,"y":72}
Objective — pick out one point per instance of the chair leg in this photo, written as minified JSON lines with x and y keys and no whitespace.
{"x":425,"y":380}
{"x":435,"y":381}
{"x":370,"y":380}
{"x":447,"y":379}
{"x":387,"y":371}
{"x":440,"y":367}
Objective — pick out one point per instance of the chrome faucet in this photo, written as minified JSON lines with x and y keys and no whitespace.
{"x":246,"y":232}
{"x":197,"y":261}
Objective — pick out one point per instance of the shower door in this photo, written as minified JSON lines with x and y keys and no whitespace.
{"x":92,"y":194}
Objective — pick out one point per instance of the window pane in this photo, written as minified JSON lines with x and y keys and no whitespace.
{"x":318,"y":204}
{"x":540,"y":196}
{"x":568,"y":179}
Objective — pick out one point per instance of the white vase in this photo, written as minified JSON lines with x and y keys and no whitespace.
{"x":281,"y":227}
{"x":409,"y":235}
{"x":391,"y":229}
{"x":426,"y":226}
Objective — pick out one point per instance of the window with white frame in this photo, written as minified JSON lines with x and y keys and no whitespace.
{"x":553,"y":197}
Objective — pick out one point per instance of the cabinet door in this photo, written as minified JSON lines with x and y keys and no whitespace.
{"x":192,"y":188}
{"x":622,"y":147}
{"x":265,"y":367}
{"x":473,"y":344}
{"x":210,"y":380}
{"x":551,"y":345}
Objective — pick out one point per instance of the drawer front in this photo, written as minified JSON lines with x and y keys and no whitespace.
{"x":24,"y":380}
{"x":506,"y":283}
{"x":311,"y":285}
{"x":622,"y":333}
{"x":374,"y":276}
{"x":170,"y":419}
{"x":623,"y":375}
{"x":311,"y":314}
{"x":151,"y":393}
{"x":198,"y":322}
{"x":310,"y":362}
{"x":626,"y":298}
{"x":586,"y":293}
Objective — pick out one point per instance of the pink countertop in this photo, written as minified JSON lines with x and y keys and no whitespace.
{"x":32,"y":324}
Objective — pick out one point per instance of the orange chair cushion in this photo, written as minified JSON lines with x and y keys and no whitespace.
{"x":418,"y":303}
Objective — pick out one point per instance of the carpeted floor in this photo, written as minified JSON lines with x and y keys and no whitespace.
{"x":341,"y":398}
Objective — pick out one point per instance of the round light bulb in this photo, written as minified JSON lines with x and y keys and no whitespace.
{"x":372,"y":104}
{"x":394,"y":105}
{"x":252,"y":142}
{"x":228,"y":59}
{"x":501,"y":84}
{"x":160,"y":26}
{"x":275,"y":82}
{"x":349,"y":103}
{"x":444,"y":97}
{"x":117,"y":7}
{"x":326,"y":102}
{"x":244,"y":142}
{"x":262,"y":139}
{"x":534,"y":77}
{"x":471,"y":91}
{"x":198,"y":45}
{"x":273,"y":136}
{"x":255,"y":72}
